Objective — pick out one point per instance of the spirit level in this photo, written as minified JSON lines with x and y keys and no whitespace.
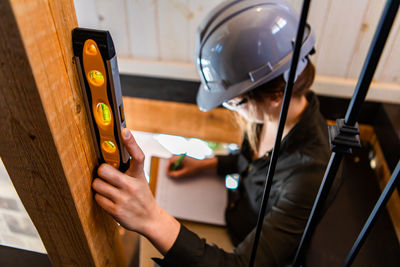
{"x":97,"y":67}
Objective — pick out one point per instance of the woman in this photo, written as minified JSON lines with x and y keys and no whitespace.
{"x":243,"y":57}
{"x":261,"y":108}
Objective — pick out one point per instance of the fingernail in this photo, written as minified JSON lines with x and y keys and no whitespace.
{"x":126,"y":133}
{"x":100,"y":168}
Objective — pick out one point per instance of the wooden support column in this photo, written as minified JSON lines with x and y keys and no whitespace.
{"x":45,"y":141}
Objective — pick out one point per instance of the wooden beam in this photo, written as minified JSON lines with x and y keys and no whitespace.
{"x":182,"y":119}
{"x":45,"y":141}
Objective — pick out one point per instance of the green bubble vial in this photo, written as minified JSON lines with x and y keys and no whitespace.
{"x":104,"y":113}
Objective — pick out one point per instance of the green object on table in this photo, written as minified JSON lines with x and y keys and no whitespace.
{"x":177,"y":163}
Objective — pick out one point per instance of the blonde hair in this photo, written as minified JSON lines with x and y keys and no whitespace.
{"x":271,"y":89}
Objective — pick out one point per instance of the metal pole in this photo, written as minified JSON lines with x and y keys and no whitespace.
{"x":380,"y":204}
{"x":353,"y":110}
{"x":282,"y":119}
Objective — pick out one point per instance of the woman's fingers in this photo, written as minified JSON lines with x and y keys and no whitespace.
{"x":182,"y":170}
{"x":111,"y":175}
{"x":171,"y":162}
{"x":136,"y":153}
{"x":177,"y":174}
{"x":105,"y":203}
{"x":173,"y":158}
{"x":106,"y":190}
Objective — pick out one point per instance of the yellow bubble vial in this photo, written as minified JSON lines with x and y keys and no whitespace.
{"x":96,"y":78}
{"x":109,"y":146}
{"x":103,"y":113}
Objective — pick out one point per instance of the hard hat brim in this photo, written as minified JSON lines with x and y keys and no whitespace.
{"x":207,"y":100}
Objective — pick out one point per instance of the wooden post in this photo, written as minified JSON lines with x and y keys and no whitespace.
{"x":45,"y":141}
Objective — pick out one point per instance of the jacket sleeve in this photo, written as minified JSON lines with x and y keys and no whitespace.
{"x":280,"y":236}
{"x":191,"y":250}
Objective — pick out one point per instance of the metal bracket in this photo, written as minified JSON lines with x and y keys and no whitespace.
{"x":344,"y":137}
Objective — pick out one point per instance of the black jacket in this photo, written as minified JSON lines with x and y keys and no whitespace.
{"x":300,"y":168}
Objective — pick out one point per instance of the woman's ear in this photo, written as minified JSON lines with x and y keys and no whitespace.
{"x":276,"y":99}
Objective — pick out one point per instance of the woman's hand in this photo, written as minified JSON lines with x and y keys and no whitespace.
{"x":190,"y":166}
{"x":127,"y":198}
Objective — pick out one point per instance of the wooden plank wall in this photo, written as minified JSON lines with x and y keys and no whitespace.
{"x":156,"y":38}
{"x":45,"y":140}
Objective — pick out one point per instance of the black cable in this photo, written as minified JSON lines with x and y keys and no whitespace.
{"x":360,"y":92}
{"x":282,"y":119}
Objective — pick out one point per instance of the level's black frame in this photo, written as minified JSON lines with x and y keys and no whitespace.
{"x":367,"y":73}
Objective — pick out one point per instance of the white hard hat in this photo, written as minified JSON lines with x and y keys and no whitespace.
{"x":243,"y":44}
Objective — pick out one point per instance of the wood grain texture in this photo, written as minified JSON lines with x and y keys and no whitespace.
{"x":44,"y":125}
{"x":173,"y":24}
{"x":367,"y":30}
{"x":143,"y":28}
{"x":319,"y":11}
{"x":86,"y":13}
{"x":180,"y":119}
{"x":199,"y":10}
{"x":389,"y":65}
{"x":343,"y":24}
{"x":113,"y":17}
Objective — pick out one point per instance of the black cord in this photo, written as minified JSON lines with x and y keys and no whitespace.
{"x":282,"y":119}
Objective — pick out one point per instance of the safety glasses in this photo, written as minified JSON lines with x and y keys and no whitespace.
{"x":235,"y":103}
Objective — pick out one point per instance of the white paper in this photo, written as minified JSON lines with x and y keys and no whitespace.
{"x":16,"y":228}
{"x":201,"y":198}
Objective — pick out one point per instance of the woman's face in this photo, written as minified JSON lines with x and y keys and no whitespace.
{"x":249,"y":111}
